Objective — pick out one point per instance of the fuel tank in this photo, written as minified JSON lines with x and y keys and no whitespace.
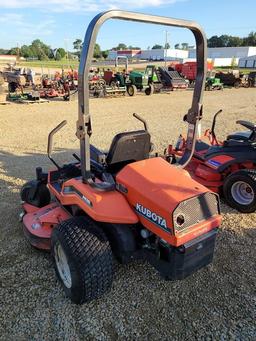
{"x":168,"y":201}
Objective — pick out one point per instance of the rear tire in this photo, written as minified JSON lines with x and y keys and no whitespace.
{"x":83,"y":259}
{"x":131,"y":90}
{"x":149,"y":90}
{"x":239,"y":190}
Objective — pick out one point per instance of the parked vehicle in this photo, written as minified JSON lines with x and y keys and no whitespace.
{"x":213,"y":83}
{"x":125,"y":202}
{"x":252,"y":79}
{"x":226,"y":167}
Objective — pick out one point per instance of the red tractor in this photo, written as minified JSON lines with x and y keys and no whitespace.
{"x":226,"y":167}
{"x":126,"y":203}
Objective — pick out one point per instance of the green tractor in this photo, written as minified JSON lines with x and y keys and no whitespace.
{"x":155,"y":79}
{"x":143,"y":81}
{"x":213,"y":83}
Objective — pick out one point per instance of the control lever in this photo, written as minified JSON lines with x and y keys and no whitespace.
{"x":142,"y":120}
{"x":50,"y":139}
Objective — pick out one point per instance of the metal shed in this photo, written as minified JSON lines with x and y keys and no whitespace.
{"x":248,"y":62}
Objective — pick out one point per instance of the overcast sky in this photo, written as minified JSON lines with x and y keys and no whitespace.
{"x":60,"y":22}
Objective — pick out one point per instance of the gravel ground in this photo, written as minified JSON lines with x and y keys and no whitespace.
{"x":216,"y":303}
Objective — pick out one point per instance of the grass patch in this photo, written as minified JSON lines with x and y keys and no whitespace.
{"x":51,"y":64}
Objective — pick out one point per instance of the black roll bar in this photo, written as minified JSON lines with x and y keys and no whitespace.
{"x":194,"y":114}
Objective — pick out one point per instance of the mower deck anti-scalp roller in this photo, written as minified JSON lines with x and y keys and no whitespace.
{"x":126,"y":203}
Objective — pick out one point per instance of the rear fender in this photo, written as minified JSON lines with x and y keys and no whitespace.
{"x":108,"y":207}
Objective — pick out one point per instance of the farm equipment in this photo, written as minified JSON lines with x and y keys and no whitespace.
{"x":116,"y":80}
{"x":21,"y":79}
{"x":155,"y":79}
{"x":97,"y":86}
{"x":103,"y":87}
{"x":252,"y":79}
{"x":115,"y":83}
{"x":228,"y":167}
{"x":171,"y":78}
{"x":189,"y":69}
{"x":233,"y":78}
{"x":52,"y":88}
{"x":140,"y":81}
{"x":213,"y":83}
{"x":126,"y":202}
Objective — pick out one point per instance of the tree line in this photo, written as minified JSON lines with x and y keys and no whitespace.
{"x":232,"y":41}
{"x":39,"y":50}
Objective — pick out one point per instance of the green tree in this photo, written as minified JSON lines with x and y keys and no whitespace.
{"x":3,"y":51}
{"x":214,"y":41}
{"x":234,"y":41}
{"x":157,"y":46}
{"x":250,"y":40}
{"x":104,"y":54}
{"x":13,"y":51}
{"x":97,"y":51}
{"x":78,"y":45}
{"x":26,"y":52}
{"x":120,"y":46}
{"x":167,"y":46}
{"x":40,"y":50}
{"x":58,"y":55}
{"x":177,"y":46}
{"x":130,"y":47}
{"x":226,"y":40}
{"x":184,"y":46}
{"x":62,"y":52}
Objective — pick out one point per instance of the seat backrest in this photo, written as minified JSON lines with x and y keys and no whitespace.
{"x":128,"y":147}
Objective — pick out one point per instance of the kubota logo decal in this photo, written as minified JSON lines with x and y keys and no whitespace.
{"x":151,"y":216}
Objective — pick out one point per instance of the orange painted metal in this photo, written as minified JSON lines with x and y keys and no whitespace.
{"x":110,"y":207}
{"x":39,"y":222}
{"x":153,"y":183}
{"x":160,"y":187}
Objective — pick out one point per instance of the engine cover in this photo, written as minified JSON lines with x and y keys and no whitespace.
{"x":155,"y":189}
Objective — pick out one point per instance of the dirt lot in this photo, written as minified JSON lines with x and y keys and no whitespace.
{"x":217,"y":303}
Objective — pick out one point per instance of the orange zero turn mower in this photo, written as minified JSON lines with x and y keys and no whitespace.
{"x":126,"y":203}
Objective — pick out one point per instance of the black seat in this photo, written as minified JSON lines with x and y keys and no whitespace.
{"x":125,"y":148}
{"x":128,"y":147}
{"x":240,"y":135}
{"x":248,"y":136}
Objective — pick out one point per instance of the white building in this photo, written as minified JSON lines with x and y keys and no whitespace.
{"x":155,"y":54}
{"x":226,"y":56}
{"x":249,"y":62}
{"x":164,"y":54}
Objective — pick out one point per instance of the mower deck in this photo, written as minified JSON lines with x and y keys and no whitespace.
{"x":39,"y":222}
